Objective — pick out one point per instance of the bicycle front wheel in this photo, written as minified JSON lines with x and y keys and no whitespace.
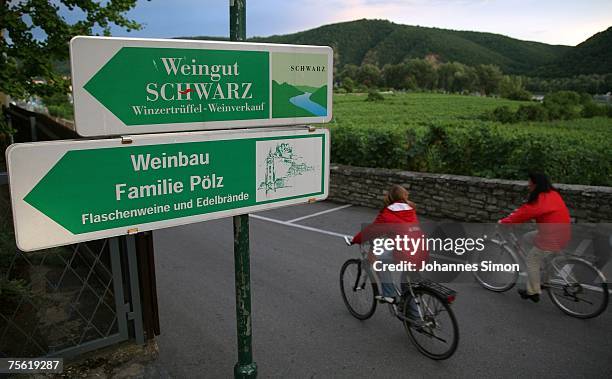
{"x":436,"y":335}
{"x":495,"y":253}
{"x":357,"y":289}
{"x":577,"y":287}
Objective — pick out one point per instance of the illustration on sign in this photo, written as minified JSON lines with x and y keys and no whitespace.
{"x":287,"y":167}
{"x":281,"y":165}
{"x":299,"y":85}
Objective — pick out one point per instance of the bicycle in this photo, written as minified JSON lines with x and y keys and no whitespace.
{"x":359,"y":285}
{"x":570,"y":280}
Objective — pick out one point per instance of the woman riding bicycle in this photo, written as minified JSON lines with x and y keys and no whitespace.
{"x":544,"y":205}
{"x":397,"y":218}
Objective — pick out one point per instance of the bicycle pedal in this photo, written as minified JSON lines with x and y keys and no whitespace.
{"x":418,"y":324}
{"x":386,"y":300}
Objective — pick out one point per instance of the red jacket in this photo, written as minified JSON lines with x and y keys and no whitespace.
{"x":553,"y":219}
{"x":395,"y":219}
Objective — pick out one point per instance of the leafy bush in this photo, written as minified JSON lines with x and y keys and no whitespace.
{"x":348,"y":85}
{"x":520,"y":94}
{"x":11,"y":291}
{"x":503,"y":114}
{"x":374,"y":96}
{"x":59,"y":105}
{"x":594,"y":110}
{"x":62,"y":111}
{"x":532,"y":112}
{"x":369,"y":146}
{"x":563,"y":105}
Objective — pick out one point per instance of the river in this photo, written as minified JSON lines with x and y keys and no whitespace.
{"x":304,"y":102}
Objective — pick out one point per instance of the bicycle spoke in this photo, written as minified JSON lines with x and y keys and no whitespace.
{"x":577,"y":287}
{"x":432,"y":334}
{"x":357,"y":279}
{"x":357,"y":291}
{"x":436,"y":335}
{"x":577,"y":299}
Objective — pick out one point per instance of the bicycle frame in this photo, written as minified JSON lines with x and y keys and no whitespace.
{"x":393,"y":308}
{"x":514,"y":245}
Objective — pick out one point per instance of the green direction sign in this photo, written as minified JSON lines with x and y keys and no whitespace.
{"x":131,"y":86}
{"x":97,"y":189}
{"x":159,"y":86}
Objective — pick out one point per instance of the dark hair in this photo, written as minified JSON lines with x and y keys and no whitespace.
{"x":542,"y":184}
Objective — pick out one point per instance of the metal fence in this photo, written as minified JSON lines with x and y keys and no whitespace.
{"x":68,"y":300}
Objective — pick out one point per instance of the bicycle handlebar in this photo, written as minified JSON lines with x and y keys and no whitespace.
{"x":348,"y":240}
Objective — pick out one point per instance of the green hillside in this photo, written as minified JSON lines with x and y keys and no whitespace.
{"x":535,"y":53}
{"x":382,"y":42}
{"x":593,"y":56}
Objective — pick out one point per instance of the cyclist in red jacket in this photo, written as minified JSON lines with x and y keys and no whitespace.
{"x":397,"y":218}
{"x":545,"y":206}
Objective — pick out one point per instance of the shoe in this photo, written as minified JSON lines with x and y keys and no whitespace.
{"x":415,"y":320}
{"x":385,"y":299}
{"x":524,"y":295}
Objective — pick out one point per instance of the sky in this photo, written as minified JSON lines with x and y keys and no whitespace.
{"x":565,"y":22}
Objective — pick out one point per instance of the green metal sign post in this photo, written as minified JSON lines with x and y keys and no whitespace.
{"x":245,"y":367}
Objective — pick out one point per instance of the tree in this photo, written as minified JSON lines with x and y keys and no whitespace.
{"x":349,"y":71}
{"x":396,"y":76}
{"x":464,"y":79}
{"x":27,"y":62}
{"x":446,"y":75}
{"x":513,"y":88}
{"x":607,"y":84}
{"x":348,"y":84}
{"x":369,"y":75}
{"x":456,"y":77}
{"x":423,"y":72}
{"x":336,"y":60}
{"x":489,"y":77}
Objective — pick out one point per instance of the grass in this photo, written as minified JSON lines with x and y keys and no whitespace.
{"x":412,"y":108}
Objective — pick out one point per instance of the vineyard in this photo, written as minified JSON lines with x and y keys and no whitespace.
{"x":442,"y":133}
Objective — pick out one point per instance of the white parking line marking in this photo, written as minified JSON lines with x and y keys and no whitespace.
{"x":320,"y":213}
{"x":286,"y":223}
{"x":309,"y":228}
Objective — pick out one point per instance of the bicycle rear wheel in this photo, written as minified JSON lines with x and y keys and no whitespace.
{"x":437,"y":335}
{"x":577,"y":287}
{"x":496,"y":253}
{"x":357,"y":289}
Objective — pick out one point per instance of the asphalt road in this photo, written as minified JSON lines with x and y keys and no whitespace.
{"x":301,"y":327}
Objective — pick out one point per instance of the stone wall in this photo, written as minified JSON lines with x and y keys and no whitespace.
{"x":463,"y":198}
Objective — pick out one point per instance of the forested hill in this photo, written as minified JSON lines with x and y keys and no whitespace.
{"x":593,"y":56}
{"x":381,"y":42}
